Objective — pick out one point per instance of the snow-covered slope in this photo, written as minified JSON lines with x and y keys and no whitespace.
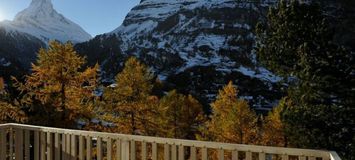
{"x":197,"y":46}
{"x":41,"y":20}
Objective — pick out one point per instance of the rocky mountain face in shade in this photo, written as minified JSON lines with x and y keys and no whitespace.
{"x":196,"y":46}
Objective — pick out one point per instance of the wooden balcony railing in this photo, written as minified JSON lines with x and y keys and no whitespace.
{"x":27,"y":142}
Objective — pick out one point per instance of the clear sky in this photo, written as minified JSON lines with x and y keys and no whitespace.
{"x":95,"y":16}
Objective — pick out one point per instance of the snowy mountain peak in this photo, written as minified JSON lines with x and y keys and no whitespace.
{"x":37,"y":9}
{"x":41,"y":20}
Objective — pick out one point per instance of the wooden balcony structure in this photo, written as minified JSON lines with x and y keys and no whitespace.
{"x":26,"y":142}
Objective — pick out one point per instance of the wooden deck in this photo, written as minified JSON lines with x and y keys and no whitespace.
{"x":27,"y":142}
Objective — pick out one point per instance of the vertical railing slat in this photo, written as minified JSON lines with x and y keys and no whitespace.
{"x":118,"y":149}
{"x":204,"y":153}
{"x":248,"y":155}
{"x":181,"y":152}
{"x":284,"y":157}
{"x":27,"y":145}
{"x":166,"y":151}
{"x":88,"y":148}
{"x":124,"y":149}
{"x":262,"y":156}
{"x":302,"y":157}
{"x":81,"y":148}
{"x":49,"y":146}
{"x":99,"y":148}
{"x":64,"y":147}
{"x":56,"y":146}
{"x":193,"y":153}
{"x":109,"y":148}
{"x":221,"y":154}
{"x":3,"y":144}
{"x":144,"y":150}
{"x":74,"y":155}
{"x":235,"y":155}
{"x":173,"y":152}
{"x":154,"y":151}
{"x":133,"y":150}
{"x":67,"y":146}
{"x":36,"y":145}
{"x":11,"y":141}
{"x":19,"y":144}
{"x":43,"y":145}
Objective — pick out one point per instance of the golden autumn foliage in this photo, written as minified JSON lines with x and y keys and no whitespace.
{"x":180,"y":115}
{"x":273,"y":133}
{"x":59,"y":90}
{"x":9,"y":112}
{"x":130,"y":103}
{"x":232,"y":119}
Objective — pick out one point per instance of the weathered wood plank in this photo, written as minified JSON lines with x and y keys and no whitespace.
{"x":19,"y":144}
{"x":81,"y":148}
{"x":3,"y":144}
{"x":204,"y":153}
{"x":36,"y":144}
{"x":235,"y":155}
{"x":88,"y":148}
{"x":57,"y":146}
{"x":109,"y":148}
{"x":154,"y":151}
{"x":221,"y":154}
{"x":144,"y":150}
{"x":49,"y":146}
{"x":43,"y":145}
{"x":99,"y":148}
{"x":181,"y":152}
{"x":27,"y":145}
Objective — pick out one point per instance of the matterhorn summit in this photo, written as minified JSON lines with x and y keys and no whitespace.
{"x":41,"y":20}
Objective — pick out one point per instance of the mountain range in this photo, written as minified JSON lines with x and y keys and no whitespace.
{"x":194,"y":46}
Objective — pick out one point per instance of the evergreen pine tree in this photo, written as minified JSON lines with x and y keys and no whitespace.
{"x":297,"y":42}
{"x":59,"y":91}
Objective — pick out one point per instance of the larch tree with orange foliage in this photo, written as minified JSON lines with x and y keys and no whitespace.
{"x":232,"y":120}
{"x":59,"y":90}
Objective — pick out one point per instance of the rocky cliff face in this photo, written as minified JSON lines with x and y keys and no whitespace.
{"x":197,"y":46}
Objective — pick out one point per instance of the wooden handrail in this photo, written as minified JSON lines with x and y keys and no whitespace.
{"x":125,"y":141}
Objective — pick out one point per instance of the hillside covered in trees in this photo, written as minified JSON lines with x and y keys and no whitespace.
{"x":296,"y":41}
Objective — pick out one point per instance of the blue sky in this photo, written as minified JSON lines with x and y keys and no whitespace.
{"x":95,"y":16}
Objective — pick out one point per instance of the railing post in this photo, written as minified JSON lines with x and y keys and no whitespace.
{"x":118,"y":149}
{"x":154,"y":151}
{"x":181,"y":152}
{"x":166,"y":151}
{"x":173,"y":152}
{"x":73,"y":147}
